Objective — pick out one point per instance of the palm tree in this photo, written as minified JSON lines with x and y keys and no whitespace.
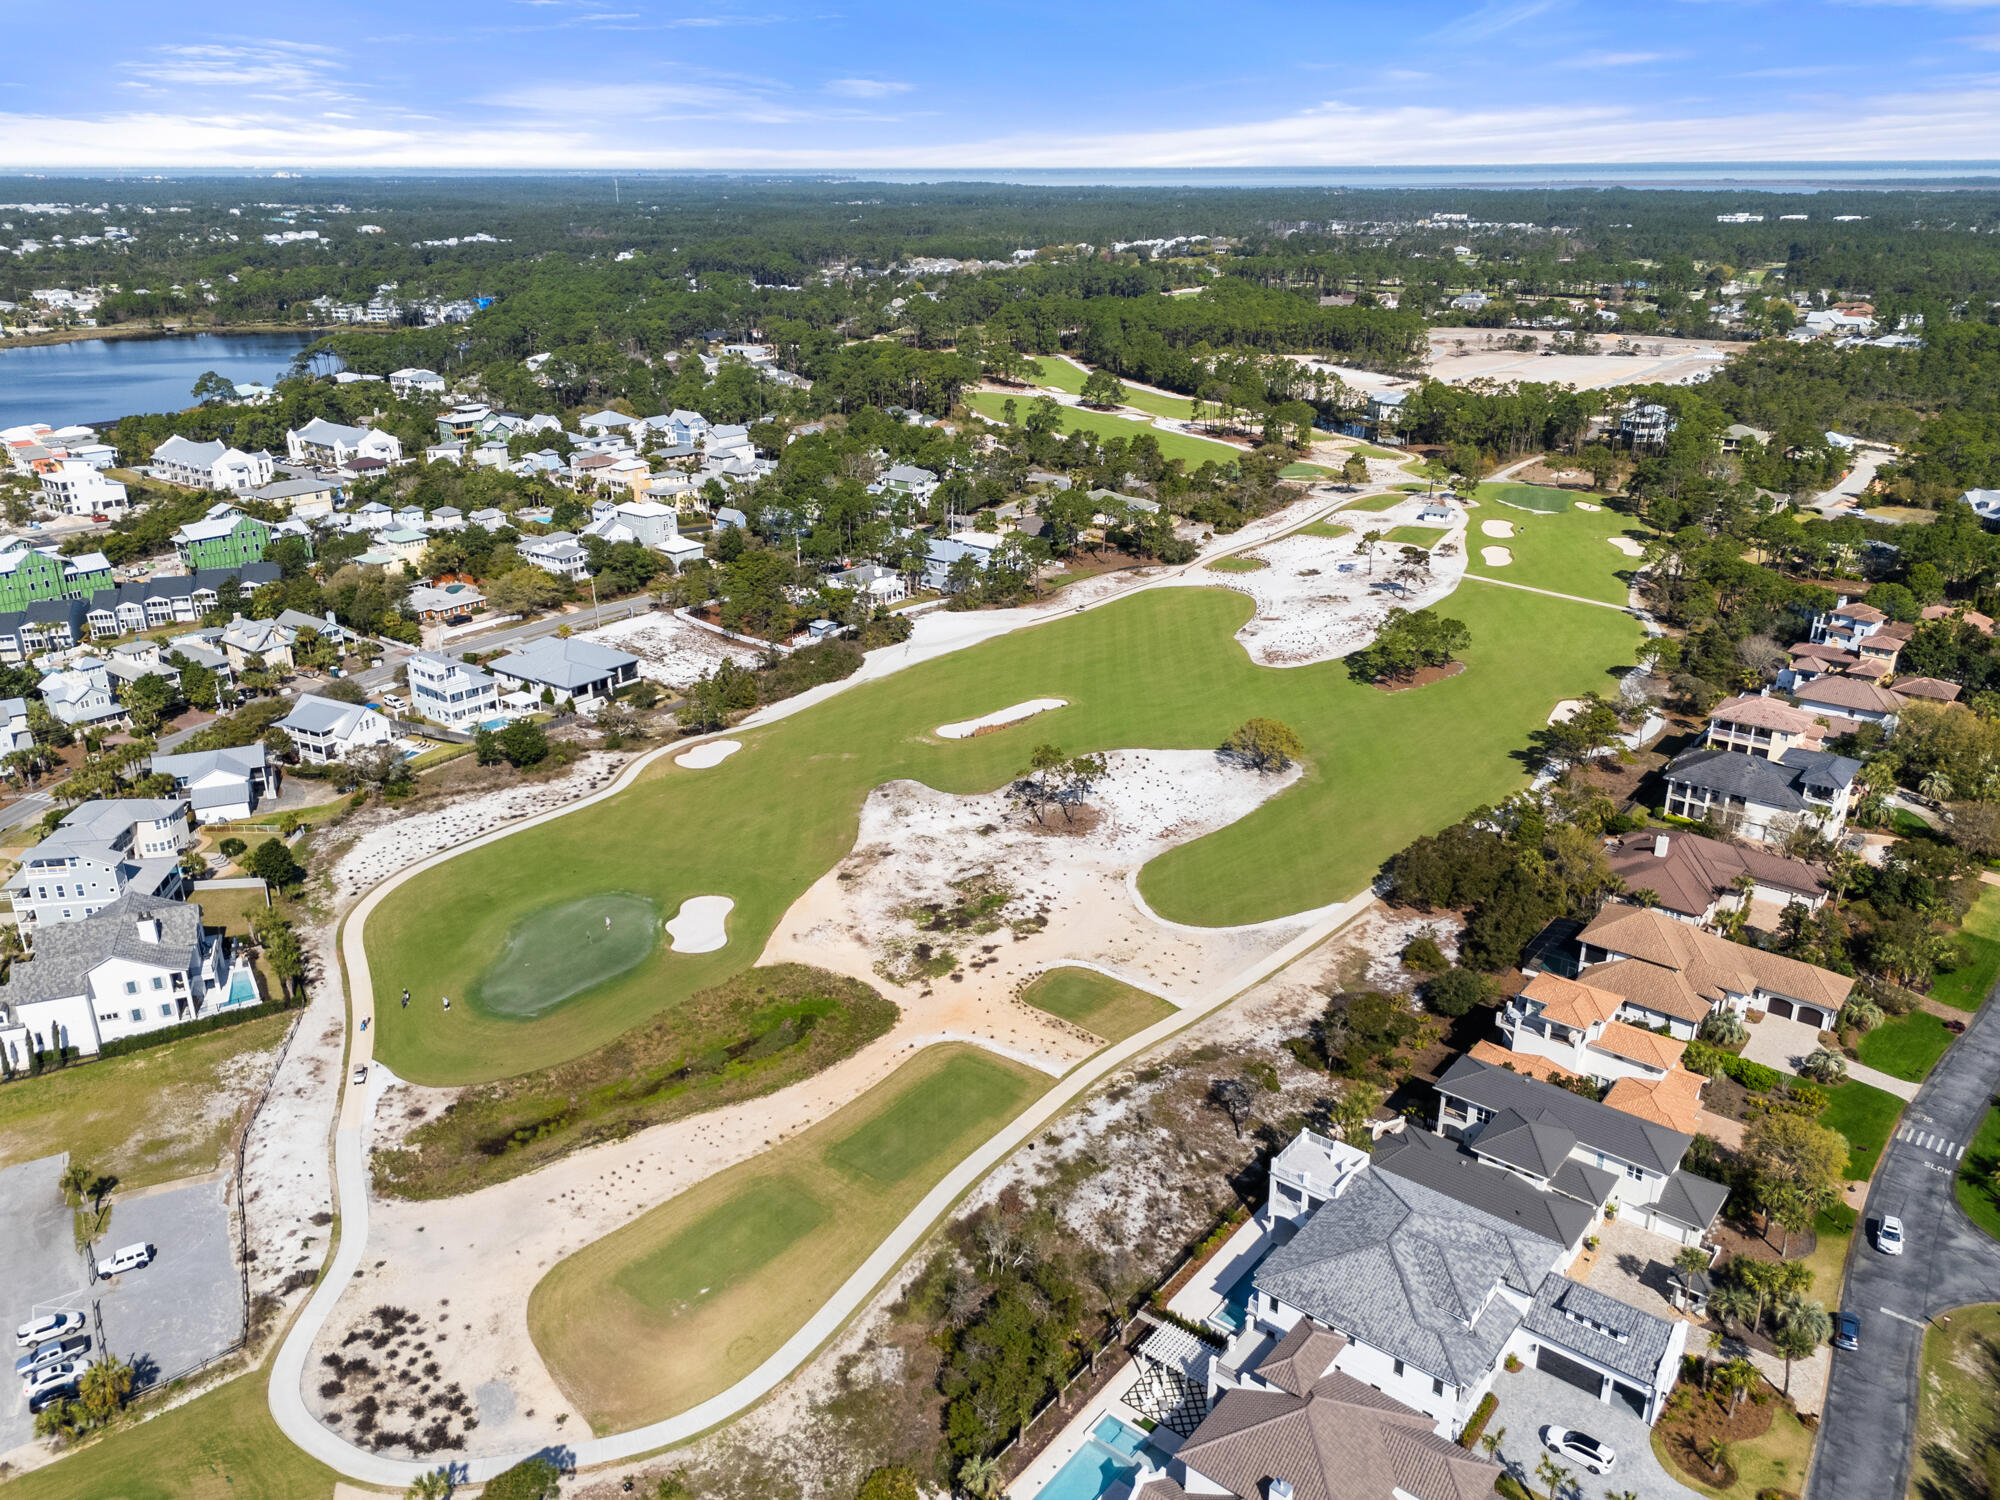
{"x":75,"y":1178}
{"x":1491,"y":1442}
{"x":980,"y":1478}
{"x":1733,"y":1302}
{"x":1717,"y":1453}
{"x":435,"y":1485}
{"x":1736,"y":1379}
{"x":104,"y":1386}
{"x":1937,"y":786}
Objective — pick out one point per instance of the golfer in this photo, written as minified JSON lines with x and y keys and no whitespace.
{"x":447,"y":1002}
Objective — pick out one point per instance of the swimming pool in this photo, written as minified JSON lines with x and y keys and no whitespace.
{"x":242,"y":988}
{"x":1108,"y":1458}
{"x":1235,"y":1310}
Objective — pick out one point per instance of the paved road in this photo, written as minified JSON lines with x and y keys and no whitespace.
{"x":1868,"y":1432}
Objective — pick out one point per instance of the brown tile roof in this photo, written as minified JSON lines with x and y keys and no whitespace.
{"x":1569,"y":1003}
{"x":1865,"y":614}
{"x":1664,"y":991}
{"x":1341,"y":1441}
{"x":1847,"y":693}
{"x":1301,"y":1357}
{"x":1524,"y":1063}
{"x":1874,"y":669}
{"x":1707,"y":965}
{"x":1697,"y":870}
{"x":1981,"y":623}
{"x":1762,"y":713}
{"x":1822,"y":651}
{"x":1640,"y":1046}
{"x":1926,"y":687}
{"x":1899,"y":631}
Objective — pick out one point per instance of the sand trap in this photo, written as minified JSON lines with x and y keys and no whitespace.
{"x":1626,"y":545}
{"x":1495,"y":557}
{"x":1586,"y":505}
{"x":1014,"y":715}
{"x":698,"y":928}
{"x":713,"y":753}
{"x":1566,"y":710}
{"x":1496,"y":528}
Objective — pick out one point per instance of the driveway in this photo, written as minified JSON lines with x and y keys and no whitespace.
{"x":1531,"y":1400}
{"x":1782,"y":1044}
{"x":43,"y":1270}
{"x":1869,"y":1428}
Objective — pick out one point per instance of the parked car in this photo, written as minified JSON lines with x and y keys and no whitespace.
{"x":55,"y":1351}
{"x":131,"y":1258}
{"x":48,"y":1326}
{"x":1579,"y":1448}
{"x":1889,"y":1235}
{"x":1847,"y":1332}
{"x":360,"y":1075}
{"x":54,"y":1378}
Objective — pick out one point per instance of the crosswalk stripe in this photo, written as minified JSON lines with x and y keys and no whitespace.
{"x":1903,"y":1134}
{"x":1958,"y":1153}
{"x":1924,"y":1140}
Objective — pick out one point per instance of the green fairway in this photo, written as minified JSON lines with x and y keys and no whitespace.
{"x":1061,"y":375}
{"x":1865,"y":1115}
{"x":1528,"y":497}
{"x":1304,"y":471}
{"x":1978,"y":1184}
{"x":1098,"y":1003}
{"x":1570,"y":553}
{"x":1159,"y":669}
{"x":1196,"y":451}
{"x":1322,"y":528}
{"x":1907,"y":1047}
{"x":967,"y":1091}
{"x":1376,"y":502}
{"x":561,"y":951}
{"x":723,"y":1246}
{"x":223,"y":1444}
{"x":1965,"y":987}
{"x":693,"y":1295}
{"x":146,"y":1117}
{"x":1237,"y":565}
{"x":1414,"y":536}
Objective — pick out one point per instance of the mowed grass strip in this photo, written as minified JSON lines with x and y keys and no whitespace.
{"x":1907,"y":1047}
{"x":1978,"y":1181}
{"x":691,"y":1297}
{"x":1158,"y":670}
{"x":1195,"y":450}
{"x":1237,"y":565}
{"x":1956,"y":1403}
{"x":1865,"y":1115}
{"x":1965,"y":987}
{"x":1538,"y":497}
{"x":1570,"y":553}
{"x":1098,"y":1003}
{"x":147,"y":1117}
{"x":1415,"y":536}
{"x":1322,"y":528}
{"x":1061,"y":375}
{"x":1377,"y":502}
{"x":219,"y":1446}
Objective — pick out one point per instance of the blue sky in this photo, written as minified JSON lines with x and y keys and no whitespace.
{"x":969,"y":83}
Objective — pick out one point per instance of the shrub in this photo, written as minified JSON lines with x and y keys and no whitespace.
{"x":272,"y":863}
{"x":1265,"y":744}
{"x":1456,"y":991}
{"x":1824,"y":1066}
{"x":1481,"y":1415}
{"x":522,"y":744}
{"x":808,"y":667}
{"x":1423,"y":954}
{"x":890,"y":1482}
{"x":1860,"y":1015}
{"x":530,"y":1479}
{"x":232,"y":847}
{"x":1724,"y":1029}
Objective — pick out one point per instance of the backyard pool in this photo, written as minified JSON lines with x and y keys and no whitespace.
{"x":1109,"y":1458}
{"x":1235,"y":1310}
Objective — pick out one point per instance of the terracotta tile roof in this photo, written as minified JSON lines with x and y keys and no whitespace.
{"x":1865,"y":614}
{"x":1824,"y":651}
{"x":1569,"y":1003}
{"x":1525,"y":1063}
{"x":1981,"y":623}
{"x":1762,"y":713}
{"x":1696,"y":870}
{"x":1640,"y":1046}
{"x":1848,"y":693}
{"x":1673,"y":1101}
{"x":1874,"y":669}
{"x":1899,"y":632}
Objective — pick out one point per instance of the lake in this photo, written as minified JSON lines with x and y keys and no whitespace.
{"x":97,"y":381}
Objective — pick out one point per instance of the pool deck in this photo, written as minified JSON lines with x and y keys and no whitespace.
{"x":1205,"y":1294}
{"x":1108,"y":1402}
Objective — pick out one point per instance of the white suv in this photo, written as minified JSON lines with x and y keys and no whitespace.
{"x":48,"y":1326}
{"x":131,"y":1258}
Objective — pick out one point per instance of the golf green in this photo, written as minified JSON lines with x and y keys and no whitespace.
{"x":1528,"y":497}
{"x":967,"y":1092}
{"x":557,"y":953}
{"x":716,"y":1251}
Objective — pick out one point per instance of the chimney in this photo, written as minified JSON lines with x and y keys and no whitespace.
{"x":149,"y":929}
{"x":1278,"y":1489}
{"x":1659,"y":846}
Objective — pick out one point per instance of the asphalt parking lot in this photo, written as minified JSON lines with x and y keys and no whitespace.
{"x":184,"y":1308}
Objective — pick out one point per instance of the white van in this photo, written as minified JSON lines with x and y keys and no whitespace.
{"x":131,"y":1258}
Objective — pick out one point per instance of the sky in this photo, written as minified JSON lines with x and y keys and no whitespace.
{"x":721,"y":84}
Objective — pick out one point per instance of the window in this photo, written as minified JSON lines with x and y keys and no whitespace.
{"x":159,"y":983}
{"x":131,"y":986}
{"x":138,"y":1014}
{"x":1637,"y":1174}
{"x":166,"y":1012}
{"x":1437,"y":1387}
{"x":1399,"y":1367}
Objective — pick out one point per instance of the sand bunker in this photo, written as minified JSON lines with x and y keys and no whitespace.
{"x":1566,"y":710}
{"x":1626,"y":545}
{"x":1496,"y":528}
{"x":1495,"y":557}
{"x":698,"y":928}
{"x":1586,"y":505}
{"x":968,"y":728}
{"x":713,"y":753}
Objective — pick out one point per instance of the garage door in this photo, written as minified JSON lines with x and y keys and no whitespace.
{"x":1781,"y":1008}
{"x":1625,"y":1395}
{"x":1575,"y":1372}
{"x":1812,"y":1016}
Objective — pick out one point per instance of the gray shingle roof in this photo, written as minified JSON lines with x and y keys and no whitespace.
{"x":1410,"y":1271}
{"x":1768,"y":783}
{"x":1613,"y":1333}
{"x":1539,"y":1146}
{"x":1597,"y":1126}
{"x":1691,"y":1200}
{"x":560,"y":663}
{"x":68,"y":951}
{"x":1442,"y":1166}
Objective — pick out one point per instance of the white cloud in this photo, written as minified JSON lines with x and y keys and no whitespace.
{"x":298,"y":68}
{"x":1619,"y":59}
{"x":1492,"y":18}
{"x":866,"y":88}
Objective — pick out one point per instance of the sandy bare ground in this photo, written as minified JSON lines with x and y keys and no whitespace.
{"x":1655,"y":360}
{"x":967,"y":728}
{"x":700,"y":925}
{"x":708,"y":755}
{"x":1317,"y":599}
{"x":670,"y":650}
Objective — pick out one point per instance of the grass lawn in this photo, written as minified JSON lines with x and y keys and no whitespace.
{"x":1414,"y":536}
{"x":1568,"y":553}
{"x":1304,"y":471}
{"x":1237,"y":565}
{"x":232,"y":911}
{"x":1976,"y":1193}
{"x":1527,"y":496}
{"x":1865,"y":1115}
{"x":1196,"y":451}
{"x":1777,"y":1459}
{"x":1956,"y":1400}
{"x":695,"y":1294}
{"x":1833,"y":1230}
{"x":147,"y":1117}
{"x":221,"y":1444}
{"x":1907,"y":1047}
{"x":1061,"y":375}
{"x":1376,"y":502}
{"x":1159,"y":669}
{"x":1098,"y":1003}
{"x":1322,"y":528}
{"x":1965,"y":987}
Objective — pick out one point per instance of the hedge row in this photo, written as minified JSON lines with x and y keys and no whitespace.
{"x":1702,"y":1058}
{"x":124,"y":1044}
{"x":1481,"y":1415}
